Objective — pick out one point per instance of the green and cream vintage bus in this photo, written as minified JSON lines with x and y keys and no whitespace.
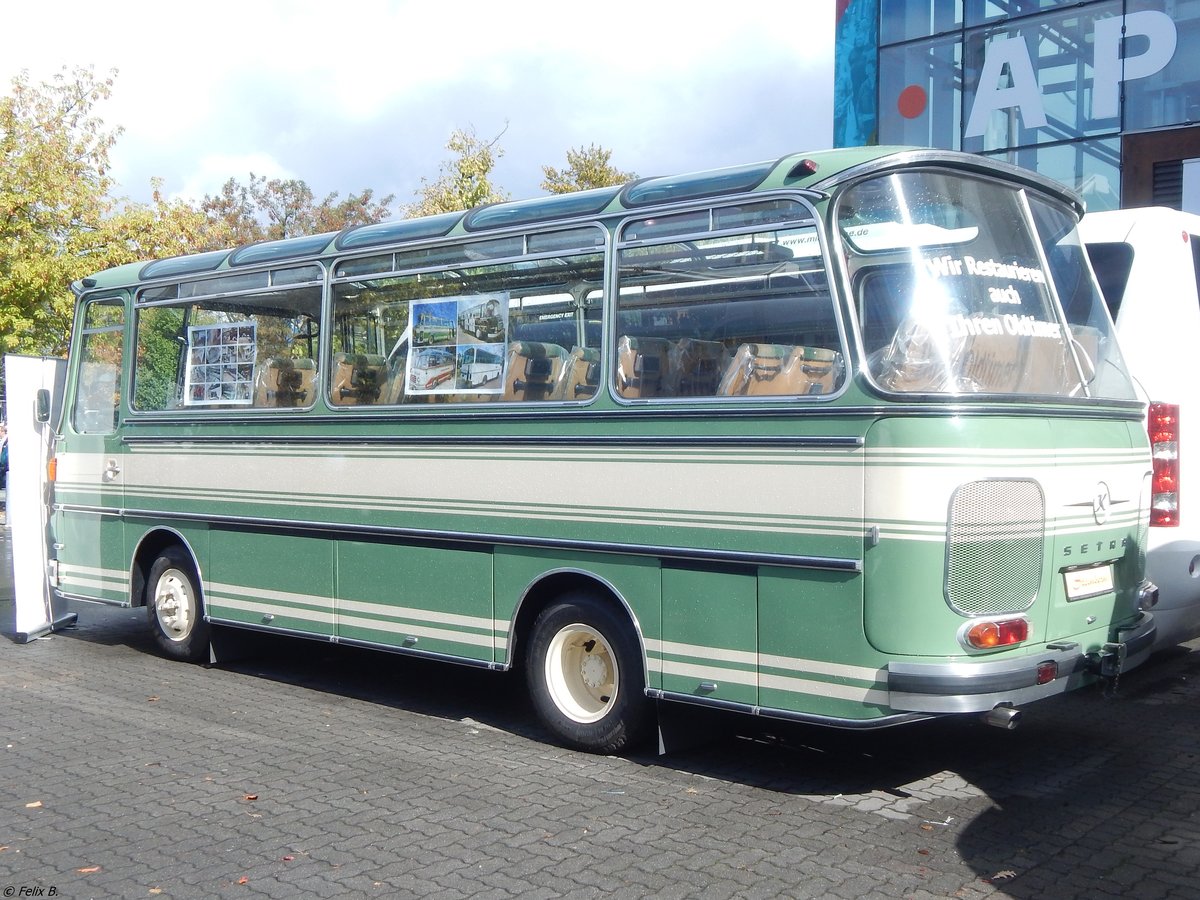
{"x":841,"y":438}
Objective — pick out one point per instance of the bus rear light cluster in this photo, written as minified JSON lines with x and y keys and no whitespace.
{"x":989,"y":635}
{"x":1162,"y":423}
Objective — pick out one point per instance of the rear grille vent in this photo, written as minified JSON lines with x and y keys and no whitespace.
{"x":995,"y":547}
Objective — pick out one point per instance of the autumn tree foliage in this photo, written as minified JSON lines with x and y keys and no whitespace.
{"x":465,"y":180}
{"x":587,"y":167}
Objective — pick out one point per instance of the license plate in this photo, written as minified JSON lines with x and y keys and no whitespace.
{"x":1090,"y":582}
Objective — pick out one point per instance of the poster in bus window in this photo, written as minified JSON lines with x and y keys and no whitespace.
{"x":459,"y":345}
{"x":220,"y":368}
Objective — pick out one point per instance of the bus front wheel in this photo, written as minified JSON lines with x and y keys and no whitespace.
{"x":174,"y":608}
{"x":586,"y":678}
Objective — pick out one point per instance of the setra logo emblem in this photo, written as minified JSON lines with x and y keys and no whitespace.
{"x":1100,"y":503}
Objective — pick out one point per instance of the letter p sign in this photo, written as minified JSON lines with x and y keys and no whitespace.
{"x":1159,"y":30}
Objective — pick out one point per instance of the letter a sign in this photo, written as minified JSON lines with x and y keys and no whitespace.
{"x":1022,"y":92}
{"x":1008,"y":80}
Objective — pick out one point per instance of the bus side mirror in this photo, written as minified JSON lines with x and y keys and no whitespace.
{"x":42,"y":410}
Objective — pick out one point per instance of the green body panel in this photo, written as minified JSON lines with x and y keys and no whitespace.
{"x":906,"y":608}
{"x":273,"y":580}
{"x":421,"y":598}
{"x":91,"y":546}
{"x":710,"y":633}
{"x":812,"y":647}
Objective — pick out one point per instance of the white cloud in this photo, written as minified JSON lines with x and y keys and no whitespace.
{"x":365,"y":93}
{"x":211,"y":172}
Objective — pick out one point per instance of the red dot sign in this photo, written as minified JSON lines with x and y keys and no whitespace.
{"x":912,"y":101}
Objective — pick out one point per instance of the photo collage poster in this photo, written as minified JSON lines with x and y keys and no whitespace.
{"x":220,"y":367}
{"x":459,"y":345}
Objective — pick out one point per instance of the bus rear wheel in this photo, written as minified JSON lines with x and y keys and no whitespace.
{"x":586,"y":677}
{"x":175,"y":609}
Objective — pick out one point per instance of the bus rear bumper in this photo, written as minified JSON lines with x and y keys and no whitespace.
{"x":968,"y":687}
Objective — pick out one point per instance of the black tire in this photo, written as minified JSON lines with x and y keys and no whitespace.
{"x":586,"y":676}
{"x":175,"y":608}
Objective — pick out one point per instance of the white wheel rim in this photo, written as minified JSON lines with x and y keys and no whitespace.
{"x":582,"y":674}
{"x":174,"y":605}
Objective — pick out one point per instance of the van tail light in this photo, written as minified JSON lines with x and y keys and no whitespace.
{"x":1163,"y":424}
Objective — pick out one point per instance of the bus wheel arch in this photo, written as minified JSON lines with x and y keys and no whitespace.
{"x":584,"y":664}
{"x":167,"y":582}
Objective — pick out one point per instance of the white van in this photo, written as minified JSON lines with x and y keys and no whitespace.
{"x":1148,"y":263}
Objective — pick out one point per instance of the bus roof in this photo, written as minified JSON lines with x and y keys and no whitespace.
{"x":818,"y":171}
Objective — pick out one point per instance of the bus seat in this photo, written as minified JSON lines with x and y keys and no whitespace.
{"x":580,"y":376}
{"x":284,"y":381}
{"x":696,"y":368}
{"x":358,"y":378}
{"x":780,"y":370}
{"x":812,"y":370}
{"x":754,"y":369}
{"x":642,"y":365}
{"x":533,"y":371}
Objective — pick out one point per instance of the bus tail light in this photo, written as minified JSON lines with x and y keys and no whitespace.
{"x":1162,"y":422}
{"x":992,"y":634}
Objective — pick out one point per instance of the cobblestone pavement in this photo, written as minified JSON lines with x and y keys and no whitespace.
{"x":312,"y":770}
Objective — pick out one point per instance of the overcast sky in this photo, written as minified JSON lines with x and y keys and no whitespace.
{"x":365,"y":93}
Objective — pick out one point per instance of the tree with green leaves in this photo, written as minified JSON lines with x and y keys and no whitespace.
{"x":54,"y":186}
{"x":587,"y":167}
{"x":465,"y":180}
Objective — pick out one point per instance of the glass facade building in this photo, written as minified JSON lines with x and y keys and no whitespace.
{"x":1068,"y":89}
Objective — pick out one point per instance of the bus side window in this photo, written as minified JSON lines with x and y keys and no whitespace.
{"x":98,"y":389}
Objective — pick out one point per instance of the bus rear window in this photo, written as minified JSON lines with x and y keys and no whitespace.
{"x":958,"y":292}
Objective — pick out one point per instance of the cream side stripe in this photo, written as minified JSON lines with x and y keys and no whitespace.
{"x":421,"y":615}
{"x":750,"y":491}
{"x":440,"y":634}
{"x":306,"y":614}
{"x":746,"y":657}
{"x":519,"y":452}
{"x":824,"y":689}
{"x":68,"y":581}
{"x":482,"y":508}
{"x":869,"y":696}
{"x":817,"y":667}
{"x":329,"y":619}
{"x":474,"y":507}
{"x":231,"y":592}
{"x":118,"y":574}
{"x":736,"y":676}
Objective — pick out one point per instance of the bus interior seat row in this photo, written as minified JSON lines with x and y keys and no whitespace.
{"x":646,"y":367}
